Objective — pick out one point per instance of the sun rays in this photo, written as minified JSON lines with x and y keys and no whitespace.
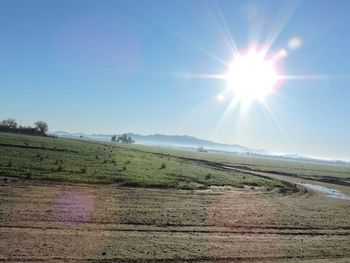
{"x":251,"y":74}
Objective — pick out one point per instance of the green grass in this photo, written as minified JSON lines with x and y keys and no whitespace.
{"x":305,"y":169}
{"x":60,"y":159}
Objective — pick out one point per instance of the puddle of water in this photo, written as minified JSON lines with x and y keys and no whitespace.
{"x":328,"y":191}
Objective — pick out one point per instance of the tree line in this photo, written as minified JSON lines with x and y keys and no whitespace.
{"x":122,"y":138}
{"x":10,"y":125}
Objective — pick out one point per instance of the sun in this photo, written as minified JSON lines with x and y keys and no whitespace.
{"x":251,"y":77}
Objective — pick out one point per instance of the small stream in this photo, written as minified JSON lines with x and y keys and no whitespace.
{"x":327,"y":191}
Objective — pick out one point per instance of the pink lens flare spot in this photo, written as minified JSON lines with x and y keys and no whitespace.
{"x":73,"y":207}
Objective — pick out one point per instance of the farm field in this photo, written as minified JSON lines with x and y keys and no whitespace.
{"x":303,"y":169}
{"x":43,"y":221}
{"x":69,"y":160}
{"x":149,"y":213}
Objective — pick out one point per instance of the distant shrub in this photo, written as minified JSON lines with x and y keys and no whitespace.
{"x":28,"y":176}
{"x":125,"y":139}
{"x":41,"y":158}
{"x":57,"y":162}
{"x":163,"y":166}
{"x":127,"y":162}
{"x":60,"y":168}
{"x":83,"y":170}
{"x":208,"y":176}
{"x":38,"y":155}
{"x":9,"y":164}
{"x":124,"y":168}
{"x":114,"y":162}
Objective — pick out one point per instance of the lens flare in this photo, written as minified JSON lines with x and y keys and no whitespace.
{"x":294,"y":43}
{"x":281,"y":54}
{"x":219,"y":98}
{"x":73,"y":207}
{"x":251,"y":77}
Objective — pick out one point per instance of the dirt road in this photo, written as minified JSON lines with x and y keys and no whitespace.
{"x":54,"y":221}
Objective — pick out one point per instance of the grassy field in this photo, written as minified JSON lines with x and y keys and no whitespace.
{"x":306,"y":169}
{"x":69,"y":160}
{"x":48,"y":221}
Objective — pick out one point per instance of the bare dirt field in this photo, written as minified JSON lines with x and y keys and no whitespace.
{"x":47,"y":221}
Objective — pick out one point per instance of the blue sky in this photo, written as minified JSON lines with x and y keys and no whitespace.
{"x":126,"y":66}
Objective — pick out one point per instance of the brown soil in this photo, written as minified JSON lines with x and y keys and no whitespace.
{"x":41,"y":221}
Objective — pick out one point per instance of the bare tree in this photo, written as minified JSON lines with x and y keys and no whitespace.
{"x":3,"y":123}
{"x":41,"y":126}
{"x":10,"y":123}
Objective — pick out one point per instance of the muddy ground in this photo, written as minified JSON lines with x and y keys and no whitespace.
{"x":42,"y":221}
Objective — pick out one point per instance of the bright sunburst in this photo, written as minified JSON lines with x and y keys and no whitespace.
{"x":251,"y":76}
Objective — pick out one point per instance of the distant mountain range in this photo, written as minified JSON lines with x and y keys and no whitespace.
{"x":193,"y":143}
{"x":183,"y":141}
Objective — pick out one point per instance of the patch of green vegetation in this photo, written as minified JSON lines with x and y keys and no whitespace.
{"x":305,"y":169}
{"x":70,"y":160}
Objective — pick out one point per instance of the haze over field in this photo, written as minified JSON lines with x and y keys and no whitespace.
{"x":196,"y":144}
{"x":263,"y":74}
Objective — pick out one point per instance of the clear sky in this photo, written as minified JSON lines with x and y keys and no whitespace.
{"x":141,"y":66}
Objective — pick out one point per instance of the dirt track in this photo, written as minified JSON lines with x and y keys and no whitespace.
{"x":340,"y":186}
{"x":53,"y":221}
